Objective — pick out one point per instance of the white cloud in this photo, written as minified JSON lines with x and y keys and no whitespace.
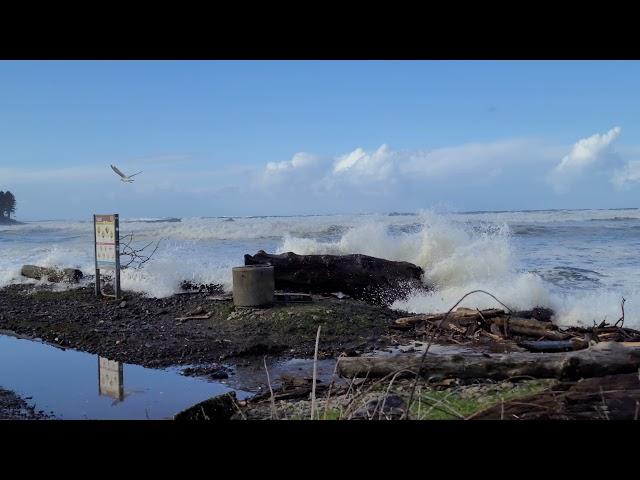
{"x":469,"y":158}
{"x":377,"y":165}
{"x":629,"y":174}
{"x":298,"y":161}
{"x":583,"y":154}
{"x":382,"y":168}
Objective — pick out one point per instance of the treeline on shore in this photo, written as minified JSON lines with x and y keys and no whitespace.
{"x":7,"y":204}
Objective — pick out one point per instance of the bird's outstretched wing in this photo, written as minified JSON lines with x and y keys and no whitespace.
{"x":135,"y":174}
{"x":115,"y":169}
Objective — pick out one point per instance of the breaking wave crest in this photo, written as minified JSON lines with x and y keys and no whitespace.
{"x":457,"y":258}
{"x":508,"y":254}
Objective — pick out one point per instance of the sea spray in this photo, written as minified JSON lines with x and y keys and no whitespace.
{"x":579,"y":263}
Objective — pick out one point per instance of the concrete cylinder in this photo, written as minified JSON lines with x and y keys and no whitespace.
{"x":253,"y":285}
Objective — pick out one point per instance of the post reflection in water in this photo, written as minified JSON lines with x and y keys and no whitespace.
{"x":110,"y":379}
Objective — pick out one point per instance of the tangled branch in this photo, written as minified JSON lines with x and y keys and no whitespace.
{"x":135,"y":257}
{"x":433,"y":333}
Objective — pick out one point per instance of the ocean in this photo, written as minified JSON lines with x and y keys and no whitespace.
{"x":581,"y":263}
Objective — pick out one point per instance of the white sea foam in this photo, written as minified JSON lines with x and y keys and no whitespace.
{"x":458,"y":252}
{"x":450,"y":254}
{"x":458,"y":259}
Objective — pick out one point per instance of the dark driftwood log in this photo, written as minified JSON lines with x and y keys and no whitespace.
{"x":529,"y":327}
{"x":460,"y":317}
{"x":72,"y":275}
{"x":538,"y":313}
{"x":360,"y":276}
{"x":606,"y":358}
{"x":551,"y":346}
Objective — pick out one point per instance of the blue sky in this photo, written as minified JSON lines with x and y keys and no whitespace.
{"x":301,"y":137}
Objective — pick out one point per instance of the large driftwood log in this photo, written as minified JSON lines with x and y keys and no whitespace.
{"x":529,"y":327}
{"x":492,"y":318}
{"x":71,"y":275}
{"x":460,"y":317}
{"x":362,"y":277}
{"x":606,"y":358}
{"x":552,"y":346}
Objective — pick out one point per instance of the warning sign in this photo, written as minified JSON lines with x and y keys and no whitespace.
{"x":106,"y":230}
{"x":105,"y":226}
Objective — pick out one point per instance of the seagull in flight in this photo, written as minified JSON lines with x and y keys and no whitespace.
{"x":124,"y":178}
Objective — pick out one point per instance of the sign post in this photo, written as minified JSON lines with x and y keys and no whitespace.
{"x":106,"y":234}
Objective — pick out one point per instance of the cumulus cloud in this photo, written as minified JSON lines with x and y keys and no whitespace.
{"x":302,"y":171}
{"x":377,"y":165}
{"x":387,"y":164}
{"x":584,"y":154}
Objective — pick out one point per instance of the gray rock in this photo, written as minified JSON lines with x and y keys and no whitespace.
{"x":393,"y":407}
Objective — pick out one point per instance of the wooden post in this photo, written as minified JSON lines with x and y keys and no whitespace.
{"x":116,"y":264}
{"x":95,"y":256}
{"x":116,"y":281}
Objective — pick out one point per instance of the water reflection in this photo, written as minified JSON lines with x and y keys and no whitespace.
{"x":63,"y":382}
{"x":110,"y":379}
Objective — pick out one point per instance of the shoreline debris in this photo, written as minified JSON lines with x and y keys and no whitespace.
{"x":606,"y":358}
{"x":53,"y":275}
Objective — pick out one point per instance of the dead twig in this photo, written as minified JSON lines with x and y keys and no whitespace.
{"x":621,"y":319}
{"x":424,"y":355}
{"x":384,"y":400}
{"x":204,"y":415}
{"x":273,"y":400}
{"x":135,"y":257}
{"x":235,"y":404}
{"x":333,"y":379}
{"x":315,"y":374}
{"x":435,"y":405}
{"x":443,"y":406}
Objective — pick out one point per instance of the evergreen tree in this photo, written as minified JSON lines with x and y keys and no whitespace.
{"x":7,"y":204}
{"x":10,"y":201}
{"x":3,"y":204}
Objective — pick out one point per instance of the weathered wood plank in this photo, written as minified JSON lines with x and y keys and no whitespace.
{"x":605,"y":358}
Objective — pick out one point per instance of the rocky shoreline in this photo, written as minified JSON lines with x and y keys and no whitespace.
{"x":160,"y":333}
{"x":208,"y":336}
{"x":13,"y":407}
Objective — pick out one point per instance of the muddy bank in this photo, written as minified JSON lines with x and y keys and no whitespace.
{"x":145,"y":331}
{"x":13,"y":407}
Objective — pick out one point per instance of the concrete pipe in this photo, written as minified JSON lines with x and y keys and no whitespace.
{"x":253,"y":285}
